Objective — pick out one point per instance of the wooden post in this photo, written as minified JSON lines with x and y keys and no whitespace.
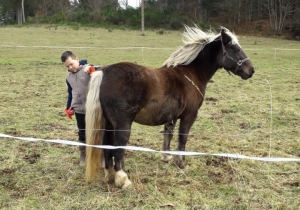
{"x":143,"y":19}
{"x":23,"y":12}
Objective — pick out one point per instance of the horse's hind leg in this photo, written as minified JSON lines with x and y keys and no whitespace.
{"x":168,"y":135}
{"x":121,"y":138}
{"x":108,"y":154}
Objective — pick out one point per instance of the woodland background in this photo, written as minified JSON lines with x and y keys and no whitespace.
{"x":266,"y":17}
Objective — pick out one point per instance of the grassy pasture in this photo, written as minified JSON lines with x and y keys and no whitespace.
{"x":258,"y":117}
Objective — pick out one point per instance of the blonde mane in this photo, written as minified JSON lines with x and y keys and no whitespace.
{"x":194,"y":40}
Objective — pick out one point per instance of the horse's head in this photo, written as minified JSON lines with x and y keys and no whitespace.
{"x":233,"y":57}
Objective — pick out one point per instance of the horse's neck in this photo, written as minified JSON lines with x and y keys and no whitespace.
{"x":206,"y":64}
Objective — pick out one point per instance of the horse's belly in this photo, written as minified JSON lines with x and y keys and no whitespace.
{"x":146,"y":118}
{"x":156,"y":115}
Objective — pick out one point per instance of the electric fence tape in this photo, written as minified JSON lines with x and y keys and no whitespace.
{"x":143,"y":149}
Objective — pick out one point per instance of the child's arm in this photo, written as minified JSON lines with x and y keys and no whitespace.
{"x":68,"y":110}
{"x":69,"y":100}
{"x":90,"y":68}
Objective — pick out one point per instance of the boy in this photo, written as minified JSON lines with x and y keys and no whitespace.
{"x":77,"y":81}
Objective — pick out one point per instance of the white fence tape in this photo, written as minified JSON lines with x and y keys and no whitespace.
{"x":143,"y":149}
{"x":129,"y":47}
{"x":282,"y":49}
{"x":85,"y":47}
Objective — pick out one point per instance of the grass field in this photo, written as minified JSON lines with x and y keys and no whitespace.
{"x":258,"y":117}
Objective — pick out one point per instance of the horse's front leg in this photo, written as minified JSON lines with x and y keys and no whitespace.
{"x":184,"y":128}
{"x":121,"y":138}
{"x":168,"y":135}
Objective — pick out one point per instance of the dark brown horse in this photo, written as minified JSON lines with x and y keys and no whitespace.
{"x":124,"y":93}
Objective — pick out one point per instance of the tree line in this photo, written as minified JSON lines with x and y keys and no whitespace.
{"x":281,"y":14}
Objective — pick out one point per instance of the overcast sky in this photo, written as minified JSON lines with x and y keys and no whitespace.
{"x":134,"y":3}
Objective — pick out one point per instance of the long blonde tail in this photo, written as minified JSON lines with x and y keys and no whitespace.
{"x":94,"y":128}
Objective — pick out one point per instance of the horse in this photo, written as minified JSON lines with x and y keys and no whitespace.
{"x":125,"y":92}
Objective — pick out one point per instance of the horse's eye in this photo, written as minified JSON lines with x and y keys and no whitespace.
{"x":237,"y":50}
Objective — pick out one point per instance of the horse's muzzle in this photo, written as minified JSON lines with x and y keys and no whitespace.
{"x":247,"y":74}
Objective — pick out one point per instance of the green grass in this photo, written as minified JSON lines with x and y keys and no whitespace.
{"x":256,"y":117}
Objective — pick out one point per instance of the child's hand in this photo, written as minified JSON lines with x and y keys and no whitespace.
{"x":69,"y":112}
{"x":89,"y":69}
{"x":92,"y":69}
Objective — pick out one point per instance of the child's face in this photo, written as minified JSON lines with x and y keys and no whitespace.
{"x":72,"y":64}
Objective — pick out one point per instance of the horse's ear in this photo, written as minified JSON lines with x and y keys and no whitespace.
{"x":225,"y":37}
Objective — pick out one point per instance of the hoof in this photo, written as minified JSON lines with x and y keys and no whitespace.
{"x":121,"y":180}
{"x":127,"y":184}
{"x":109,"y":175}
{"x":166,"y":157}
{"x":181,"y":163}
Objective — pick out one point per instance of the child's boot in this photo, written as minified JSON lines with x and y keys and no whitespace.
{"x":82,"y":155}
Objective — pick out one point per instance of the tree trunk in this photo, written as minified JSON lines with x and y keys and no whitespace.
{"x":19,"y":14}
{"x":23,"y":12}
{"x":285,"y":9}
{"x":278,"y":11}
{"x":143,"y":19}
{"x":250,"y":8}
{"x":239,"y":12}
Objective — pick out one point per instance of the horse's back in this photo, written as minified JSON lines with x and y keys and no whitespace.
{"x":147,"y":96}
{"x":126,"y":79}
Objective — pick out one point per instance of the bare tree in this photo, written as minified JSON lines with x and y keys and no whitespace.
{"x":232,"y":8}
{"x":23,"y":12}
{"x":143,"y":17}
{"x":19,"y":12}
{"x":123,"y":3}
{"x":278,"y":11}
